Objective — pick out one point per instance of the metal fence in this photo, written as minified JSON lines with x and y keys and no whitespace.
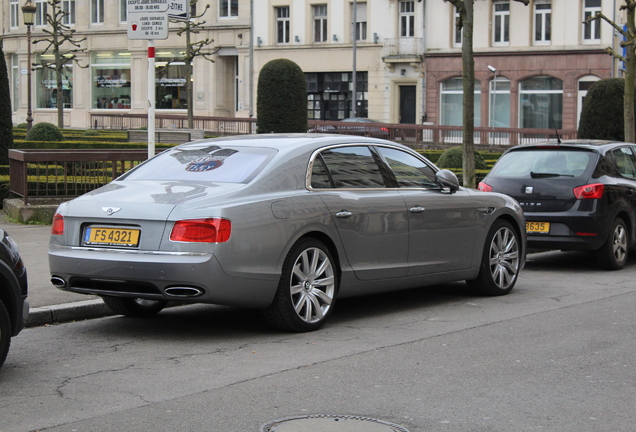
{"x":417,"y":136}
{"x":67,"y":173}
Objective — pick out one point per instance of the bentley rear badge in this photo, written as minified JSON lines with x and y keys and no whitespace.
{"x":111,"y":210}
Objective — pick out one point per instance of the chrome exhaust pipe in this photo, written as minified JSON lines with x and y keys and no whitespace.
{"x":183,"y":291}
{"x":58,"y":282}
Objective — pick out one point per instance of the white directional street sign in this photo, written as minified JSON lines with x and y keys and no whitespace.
{"x":179,"y":10}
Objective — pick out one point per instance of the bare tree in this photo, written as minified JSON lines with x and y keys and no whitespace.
{"x":465,"y":9}
{"x":193,"y":50}
{"x":63,"y":45}
{"x":629,"y":41}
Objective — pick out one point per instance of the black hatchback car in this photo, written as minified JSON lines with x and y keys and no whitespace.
{"x":14,"y":306}
{"x":576,"y":195}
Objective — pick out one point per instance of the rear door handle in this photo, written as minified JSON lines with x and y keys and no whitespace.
{"x":343,"y":214}
{"x":417,"y":209}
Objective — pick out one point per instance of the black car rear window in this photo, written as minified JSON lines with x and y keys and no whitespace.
{"x":205,"y":162}
{"x":544,"y":163}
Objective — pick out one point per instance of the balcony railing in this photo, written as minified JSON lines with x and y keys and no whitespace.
{"x":402,"y":47}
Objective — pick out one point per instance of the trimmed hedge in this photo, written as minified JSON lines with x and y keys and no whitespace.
{"x":602,"y":113}
{"x":281,"y":100}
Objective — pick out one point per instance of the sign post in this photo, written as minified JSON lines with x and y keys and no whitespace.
{"x":148,"y":19}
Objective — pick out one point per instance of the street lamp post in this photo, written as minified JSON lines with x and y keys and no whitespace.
{"x":28,"y":13}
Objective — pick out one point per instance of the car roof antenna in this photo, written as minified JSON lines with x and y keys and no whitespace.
{"x":557,"y":132}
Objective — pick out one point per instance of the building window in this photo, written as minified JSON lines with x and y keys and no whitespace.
{"x":16,"y":77}
{"x":407,"y":18}
{"x":361,"y":21}
{"x":452,"y":94}
{"x":68,"y":7}
{"x":501,"y":24}
{"x":329,"y":95}
{"x":123,"y":11}
{"x":14,"y":11}
{"x":591,"y":30}
{"x":97,"y":11}
{"x":282,"y":25}
{"x":110,"y":72}
{"x":457,"y":33}
{"x":541,"y":103}
{"x":47,"y":94}
{"x":228,"y":8}
{"x":170,"y":81}
{"x":320,"y":23}
{"x":542,"y":22}
{"x":40,"y":12}
{"x":499,"y":105}
{"x":584,"y":85}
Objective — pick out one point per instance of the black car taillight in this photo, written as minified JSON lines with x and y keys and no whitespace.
{"x":590,"y":191}
{"x":484,"y":187}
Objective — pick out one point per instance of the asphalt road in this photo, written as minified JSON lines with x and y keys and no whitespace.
{"x":557,"y":354}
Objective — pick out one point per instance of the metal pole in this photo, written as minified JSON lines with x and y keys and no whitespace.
{"x":151,"y":98}
{"x":29,"y":118}
{"x":354,"y":100}
{"x":251,"y":74}
{"x":494,"y":101}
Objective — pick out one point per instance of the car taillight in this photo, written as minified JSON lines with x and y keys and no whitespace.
{"x":57,"y":228}
{"x":213,"y":230}
{"x":484,"y":187}
{"x":591,"y":191}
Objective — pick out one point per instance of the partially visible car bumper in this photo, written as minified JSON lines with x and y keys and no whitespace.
{"x":150,"y":275}
{"x":569,"y":231}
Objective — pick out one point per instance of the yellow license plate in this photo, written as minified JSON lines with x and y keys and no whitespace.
{"x":105,"y":236}
{"x":538,"y":227}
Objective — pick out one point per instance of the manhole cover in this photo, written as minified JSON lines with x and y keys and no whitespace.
{"x":330,"y":423}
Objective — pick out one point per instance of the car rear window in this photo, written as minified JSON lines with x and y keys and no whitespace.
{"x":553,"y":163}
{"x":204,"y":162}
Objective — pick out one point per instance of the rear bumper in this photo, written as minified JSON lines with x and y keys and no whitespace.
{"x":151,"y":275}
{"x":570,"y":231}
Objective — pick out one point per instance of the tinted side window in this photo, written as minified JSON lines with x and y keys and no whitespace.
{"x":353,"y":167}
{"x":624,"y":161}
{"x":319,"y":175}
{"x":409,"y":170}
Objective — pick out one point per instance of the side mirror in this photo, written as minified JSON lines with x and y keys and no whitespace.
{"x":447,"y":179}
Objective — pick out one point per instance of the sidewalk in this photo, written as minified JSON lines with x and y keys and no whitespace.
{"x":48,"y":304}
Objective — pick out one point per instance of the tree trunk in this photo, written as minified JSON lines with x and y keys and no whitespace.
{"x":630,"y":67}
{"x":468,"y":76}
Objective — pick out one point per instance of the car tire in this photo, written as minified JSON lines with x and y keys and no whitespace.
{"x":307,"y":289}
{"x":613,"y":254}
{"x":500,"y":261}
{"x":134,"y":307}
{"x":5,"y":333}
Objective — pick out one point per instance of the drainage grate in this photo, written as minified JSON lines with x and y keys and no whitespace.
{"x":330,"y":423}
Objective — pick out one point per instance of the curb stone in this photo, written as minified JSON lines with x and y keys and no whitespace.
{"x":76,"y":311}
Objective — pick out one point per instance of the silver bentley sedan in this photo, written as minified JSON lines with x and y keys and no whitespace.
{"x":283,"y":223}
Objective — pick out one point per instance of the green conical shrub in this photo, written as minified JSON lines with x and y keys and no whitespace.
{"x":281,"y":98}
{"x":602,"y":114}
